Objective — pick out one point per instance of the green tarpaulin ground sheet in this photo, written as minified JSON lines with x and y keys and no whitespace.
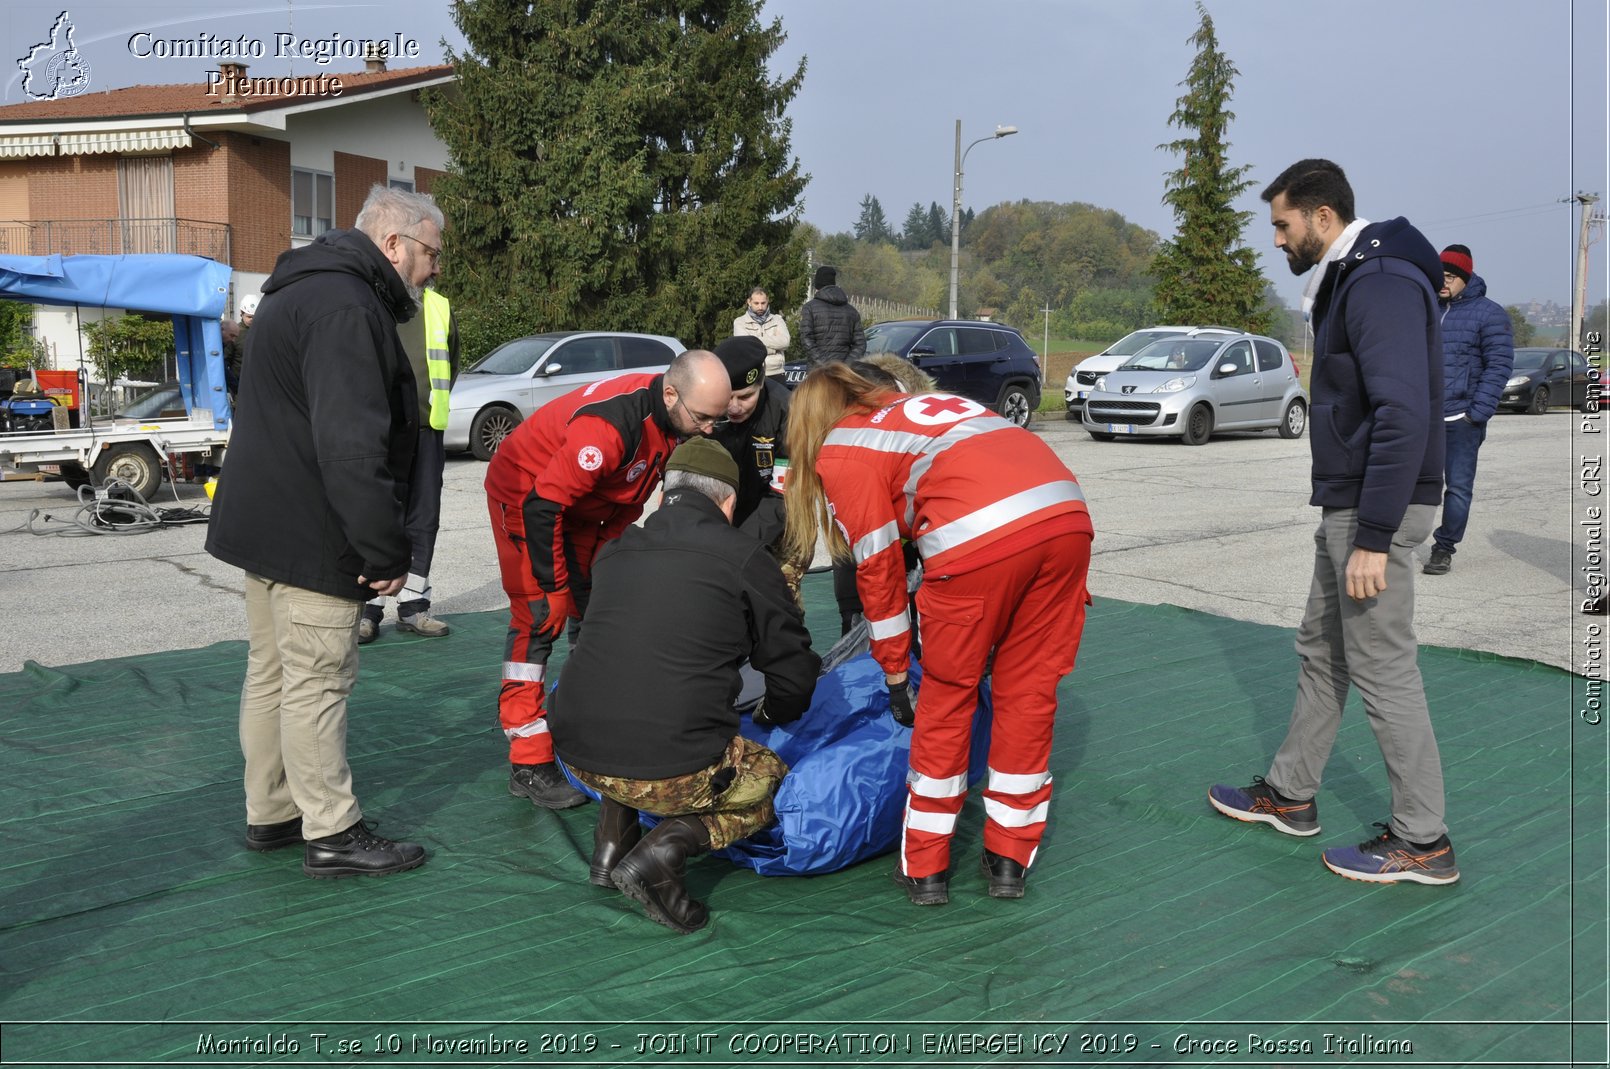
{"x":136,"y":929}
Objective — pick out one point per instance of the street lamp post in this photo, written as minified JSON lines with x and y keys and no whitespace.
{"x":956,"y":203}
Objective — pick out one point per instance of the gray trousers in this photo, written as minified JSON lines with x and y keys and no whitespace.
{"x":1370,"y":644}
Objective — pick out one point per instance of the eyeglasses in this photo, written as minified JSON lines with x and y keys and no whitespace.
{"x":434,"y":254}
{"x":708,"y":422}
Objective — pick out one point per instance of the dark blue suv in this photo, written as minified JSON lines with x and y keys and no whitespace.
{"x":987,"y":362}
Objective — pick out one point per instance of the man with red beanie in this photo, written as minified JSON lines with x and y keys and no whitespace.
{"x":1478,"y":352}
{"x":568,"y":480}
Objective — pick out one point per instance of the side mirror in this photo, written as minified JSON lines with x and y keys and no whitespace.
{"x":1225,"y":370}
{"x":921,"y":350}
{"x":552,"y":369}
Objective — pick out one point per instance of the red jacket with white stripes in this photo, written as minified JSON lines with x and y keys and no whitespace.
{"x":964,"y":485}
{"x":589,"y":458}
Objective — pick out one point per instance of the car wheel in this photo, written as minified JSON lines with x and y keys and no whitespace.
{"x":1073,"y":417}
{"x":489,"y":428}
{"x":1101,"y":436}
{"x":1295,"y":420}
{"x":134,"y":463}
{"x":1198,"y":425}
{"x":1540,"y":401}
{"x":1015,"y":406}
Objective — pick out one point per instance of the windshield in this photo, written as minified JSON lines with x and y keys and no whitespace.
{"x":1130,"y":344}
{"x":163,"y":399}
{"x":1531,"y":359}
{"x":1173,"y":354}
{"x":892,"y":337}
{"x":513,"y":358}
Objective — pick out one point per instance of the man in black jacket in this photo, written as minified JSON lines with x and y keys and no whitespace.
{"x":644,"y":709}
{"x":311,"y":507}
{"x":829,"y":324}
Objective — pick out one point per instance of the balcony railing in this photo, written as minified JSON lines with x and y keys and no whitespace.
{"x":72,"y":237}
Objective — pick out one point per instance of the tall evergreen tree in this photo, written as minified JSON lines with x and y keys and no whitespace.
{"x":616,"y":164}
{"x":938,"y":223}
{"x":872,"y":225}
{"x":1206,"y":273}
{"x":915,"y":234}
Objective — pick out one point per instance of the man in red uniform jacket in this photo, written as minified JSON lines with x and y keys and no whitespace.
{"x":568,"y":480}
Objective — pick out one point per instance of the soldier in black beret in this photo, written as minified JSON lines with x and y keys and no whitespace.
{"x":754,"y":434}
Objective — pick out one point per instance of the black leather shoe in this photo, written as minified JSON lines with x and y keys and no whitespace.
{"x":924,"y":890}
{"x":1005,"y":875}
{"x":358,"y":851}
{"x":653,"y":873}
{"x":274,"y":836}
{"x":614,"y":837}
{"x":545,"y":785}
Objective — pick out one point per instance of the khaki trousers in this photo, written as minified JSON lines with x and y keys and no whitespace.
{"x":300,"y":666}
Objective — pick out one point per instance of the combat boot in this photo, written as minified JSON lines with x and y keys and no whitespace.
{"x":616,"y":833}
{"x":654,"y":871}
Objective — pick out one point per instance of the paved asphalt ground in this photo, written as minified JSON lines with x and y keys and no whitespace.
{"x":1224,"y":528}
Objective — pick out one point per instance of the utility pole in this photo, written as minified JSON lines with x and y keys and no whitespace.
{"x":1579,"y":288}
{"x":1045,"y":351}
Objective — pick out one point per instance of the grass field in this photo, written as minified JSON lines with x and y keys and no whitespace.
{"x":1064,"y":353}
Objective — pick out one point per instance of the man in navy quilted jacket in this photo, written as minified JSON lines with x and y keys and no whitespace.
{"x":1477,"y":353}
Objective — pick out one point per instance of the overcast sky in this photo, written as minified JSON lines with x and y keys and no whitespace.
{"x":1470,"y":117}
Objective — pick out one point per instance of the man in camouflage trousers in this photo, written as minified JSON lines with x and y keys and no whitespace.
{"x":644,"y":711}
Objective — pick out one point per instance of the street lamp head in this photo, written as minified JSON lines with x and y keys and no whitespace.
{"x":1005,"y":131}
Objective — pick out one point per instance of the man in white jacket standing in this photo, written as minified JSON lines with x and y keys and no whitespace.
{"x":759,"y":321}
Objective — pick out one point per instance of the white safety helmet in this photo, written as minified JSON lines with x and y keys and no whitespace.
{"x":248,"y":304}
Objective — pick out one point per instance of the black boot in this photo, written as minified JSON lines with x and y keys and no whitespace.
{"x":545,"y":785}
{"x":358,"y":851}
{"x":613,"y":838}
{"x":924,"y":890}
{"x":653,"y":873}
{"x":1005,"y":875}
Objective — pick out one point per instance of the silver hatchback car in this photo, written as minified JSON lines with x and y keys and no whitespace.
{"x":1189,"y":387}
{"x":496,"y":393}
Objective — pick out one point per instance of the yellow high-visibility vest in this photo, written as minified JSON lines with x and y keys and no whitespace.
{"x":438,"y":366}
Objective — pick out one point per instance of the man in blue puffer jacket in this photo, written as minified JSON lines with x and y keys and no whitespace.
{"x":1477,"y":353}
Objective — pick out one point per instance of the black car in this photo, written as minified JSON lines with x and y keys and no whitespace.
{"x":987,"y":362}
{"x":1544,"y":377}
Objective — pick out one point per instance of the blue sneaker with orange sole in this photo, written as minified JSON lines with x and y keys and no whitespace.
{"x":1389,"y":858}
{"x":1263,"y":804}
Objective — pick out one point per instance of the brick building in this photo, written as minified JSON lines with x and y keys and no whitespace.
{"x":235,"y":168}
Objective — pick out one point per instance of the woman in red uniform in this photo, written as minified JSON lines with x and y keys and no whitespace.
{"x":1004,"y":536}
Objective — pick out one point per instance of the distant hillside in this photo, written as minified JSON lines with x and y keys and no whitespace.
{"x":1090,"y":264}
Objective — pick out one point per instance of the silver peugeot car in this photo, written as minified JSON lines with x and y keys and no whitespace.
{"x":1188,"y":387}
{"x":496,"y":393}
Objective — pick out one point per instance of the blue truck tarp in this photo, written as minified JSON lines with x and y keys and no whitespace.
{"x":192,"y":289}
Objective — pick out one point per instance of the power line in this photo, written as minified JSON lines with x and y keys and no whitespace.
{"x":1516,"y":213}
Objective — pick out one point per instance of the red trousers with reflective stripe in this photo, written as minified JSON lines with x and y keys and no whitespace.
{"x":1030,"y":610}
{"x":521,"y":706}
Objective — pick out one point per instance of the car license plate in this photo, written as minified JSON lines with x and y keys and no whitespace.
{"x":1120,"y":428}
{"x":1081,"y":394}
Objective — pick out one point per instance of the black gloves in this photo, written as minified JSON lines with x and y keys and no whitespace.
{"x":901,"y":706}
{"x":760,"y":717}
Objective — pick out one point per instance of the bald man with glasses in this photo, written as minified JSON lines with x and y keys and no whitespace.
{"x":566,"y":482}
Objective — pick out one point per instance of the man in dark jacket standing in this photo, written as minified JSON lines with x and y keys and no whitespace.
{"x":1478,"y":352}
{"x":686,"y":598}
{"x":1377,"y":449}
{"x":311,"y":507}
{"x":829,"y":325}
